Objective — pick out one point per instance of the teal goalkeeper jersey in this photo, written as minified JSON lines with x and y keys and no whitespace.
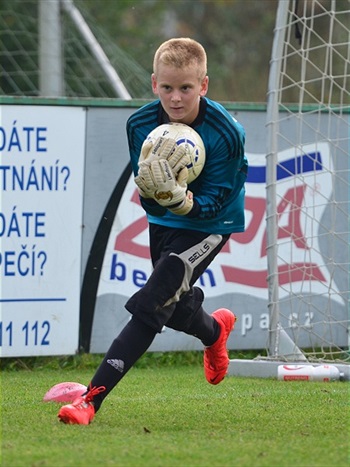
{"x":219,"y":189}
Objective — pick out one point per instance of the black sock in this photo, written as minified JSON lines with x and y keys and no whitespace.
{"x":126,"y":349}
{"x":205,"y":327}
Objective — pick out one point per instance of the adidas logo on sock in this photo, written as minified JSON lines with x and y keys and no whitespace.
{"x":117,"y":364}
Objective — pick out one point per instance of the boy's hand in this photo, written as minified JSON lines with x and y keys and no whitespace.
{"x":185,"y":207}
{"x":164,"y":148}
{"x":157,"y":180}
{"x":144,"y":186}
{"x":169,"y":193}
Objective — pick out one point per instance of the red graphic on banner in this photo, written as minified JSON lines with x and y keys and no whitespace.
{"x":291,"y":205}
{"x":287,"y":273}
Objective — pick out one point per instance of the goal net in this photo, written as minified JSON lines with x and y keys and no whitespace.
{"x":307,"y":182}
{"x":22,"y":32}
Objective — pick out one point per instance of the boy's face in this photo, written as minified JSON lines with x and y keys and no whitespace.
{"x":179,"y":91}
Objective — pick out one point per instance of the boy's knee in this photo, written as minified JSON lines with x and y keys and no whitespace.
{"x":186,"y":310}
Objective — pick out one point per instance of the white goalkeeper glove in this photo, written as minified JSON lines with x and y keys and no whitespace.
{"x":165,"y":148}
{"x":170,"y":192}
{"x":144,"y":181}
{"x":185,"y":207}
{"x":157,"y":181}
{"x":155,"y":186}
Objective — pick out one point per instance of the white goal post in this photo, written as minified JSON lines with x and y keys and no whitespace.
{"x":307,"y":188}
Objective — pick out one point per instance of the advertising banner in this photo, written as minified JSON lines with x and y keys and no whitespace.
{"x":41,"y":185}
{"x":74,"y":238}
{"x":240,"y":269}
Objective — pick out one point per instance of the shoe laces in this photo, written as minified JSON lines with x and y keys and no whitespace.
{"x":93,"y":392}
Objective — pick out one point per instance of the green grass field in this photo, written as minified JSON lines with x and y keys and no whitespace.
{"x":168,"y":415}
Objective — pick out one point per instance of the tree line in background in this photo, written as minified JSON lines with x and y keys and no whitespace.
{"x":237,"y":35}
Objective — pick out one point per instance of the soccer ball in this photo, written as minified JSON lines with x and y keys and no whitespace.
{"x":185,"y":136}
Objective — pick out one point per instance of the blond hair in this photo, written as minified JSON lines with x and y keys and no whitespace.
{"x":181,"y":53}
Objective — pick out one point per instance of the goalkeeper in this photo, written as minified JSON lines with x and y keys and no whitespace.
{"x":188,"y":224}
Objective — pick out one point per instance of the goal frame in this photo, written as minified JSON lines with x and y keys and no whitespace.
{"x":280,"y":346}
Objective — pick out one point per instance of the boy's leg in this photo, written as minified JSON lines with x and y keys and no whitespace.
{"x":126,"y":349}
{"x":190,"y":317}
{"x":185,"y":255}
{"x":213,"y":330}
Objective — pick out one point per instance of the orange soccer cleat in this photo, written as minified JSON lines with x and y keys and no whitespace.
{"x":216,"y":358}
{"x":81,"y":411}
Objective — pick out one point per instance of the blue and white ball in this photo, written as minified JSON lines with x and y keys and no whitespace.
{"x":185,"y":136}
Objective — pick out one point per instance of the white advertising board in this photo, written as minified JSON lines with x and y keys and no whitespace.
{"x":41,"y":197}
{"x":242,"y":262}
{"x":237,"y":278}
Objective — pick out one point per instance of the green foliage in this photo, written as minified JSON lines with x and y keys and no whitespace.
{"x":169,"y":416}
{"x":237,"y":35}
{"x":12,"y":38}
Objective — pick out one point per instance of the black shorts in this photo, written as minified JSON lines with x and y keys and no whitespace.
{"x":179,"y":258}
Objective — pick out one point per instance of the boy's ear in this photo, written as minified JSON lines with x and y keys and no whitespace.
{"x":204,"y":86}
{"x":154,"y":84}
